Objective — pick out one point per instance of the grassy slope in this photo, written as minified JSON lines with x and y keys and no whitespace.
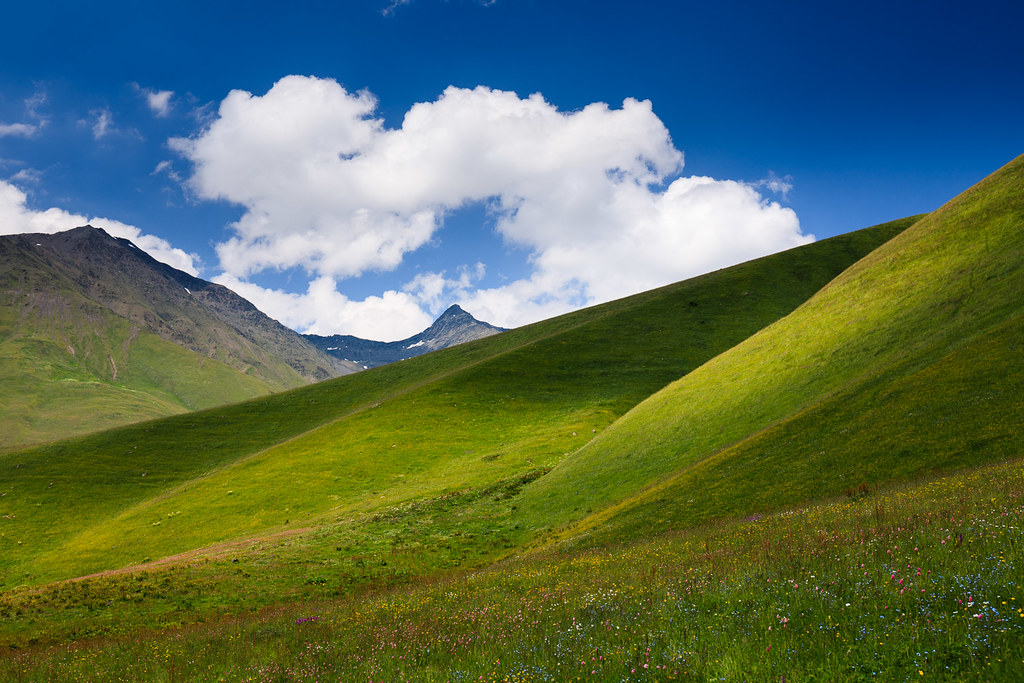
{"x":70,"y":366}
{"x":909,"y":361}
{"x":905,"y":583}
{"x":49,"y":394}
{"x":911,"y":582}
{"x":506,"y":405}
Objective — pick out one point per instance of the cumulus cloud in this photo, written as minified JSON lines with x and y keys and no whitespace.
{"x":16,"y":217}
{"x":321,"y":309}
{"x":435,"y":292}
{"x":695,"y":225}
{"x":593,"y":196}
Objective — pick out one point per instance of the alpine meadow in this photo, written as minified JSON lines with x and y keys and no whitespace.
{"x":804,"y":467}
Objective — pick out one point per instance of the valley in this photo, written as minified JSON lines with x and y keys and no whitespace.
{"x":807,"y":465}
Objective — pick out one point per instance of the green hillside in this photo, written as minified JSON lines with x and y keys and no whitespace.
{"x":804,"y":467}
{"x":469,"y":416}
{"x":49,"y":393}
{"x":94,"y":334}
{"x":909,"y":362}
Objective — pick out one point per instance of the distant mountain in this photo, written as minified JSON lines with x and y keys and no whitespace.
{"x":94,"y":332}
{"x":455,"y":326}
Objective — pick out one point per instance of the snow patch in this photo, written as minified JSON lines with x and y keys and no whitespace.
{"x":413,"y":346}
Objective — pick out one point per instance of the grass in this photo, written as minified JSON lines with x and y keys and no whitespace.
{"x":917,"y":581}
{"x":506,"y":404}
{"x":96,"y":341}
{"x":898,"y":366}
{"x":958,"y":412}
{"x":49,"y":393}
{"x":761,"y":473}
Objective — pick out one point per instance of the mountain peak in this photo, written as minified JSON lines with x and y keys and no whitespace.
{"x":453,"y":311}
{"x":454,"y":326}
{"x":198,"y":315}
{"x":82,"y":232}
{"x":77,"y":235}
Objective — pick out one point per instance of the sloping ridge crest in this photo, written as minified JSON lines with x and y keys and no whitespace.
{"x":952,"y":276}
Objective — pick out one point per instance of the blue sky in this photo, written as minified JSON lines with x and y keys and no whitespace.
{"x":356,"y":167}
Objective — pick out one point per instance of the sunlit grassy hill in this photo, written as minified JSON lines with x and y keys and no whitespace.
{"x":907,"y":363}
{"x":509,"y":406}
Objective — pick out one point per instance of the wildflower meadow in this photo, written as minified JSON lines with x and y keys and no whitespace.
{"x":920,"y":582}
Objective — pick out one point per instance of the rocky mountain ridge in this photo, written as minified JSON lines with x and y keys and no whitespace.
{"x":95,"y":333}
{"x":454,"y":326}
{"x":202,"y":316}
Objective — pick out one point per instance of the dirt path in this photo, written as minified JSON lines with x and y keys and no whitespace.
{"x":215,"y":551}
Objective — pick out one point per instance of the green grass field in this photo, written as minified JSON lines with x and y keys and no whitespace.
{"x":804,"y":466}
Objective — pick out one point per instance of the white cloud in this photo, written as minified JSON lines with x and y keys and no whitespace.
{"x":28,"y":130}
{"x":24,"y":130}
{"x":775,"y":184}
{"x":16,"y":217}
{"x":393,"y":5}
{"x":167,"y":167}
{"x":158,"y":101}
{"x":27,"y":175}
{"x":591,"y":195}
{"x":35,"y":103}
{"x":103,"y":122}
{"x":392,"y":316}
{"x":696,"y":225}
{"x":436,"y":292}
{"x":321,"y":309}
